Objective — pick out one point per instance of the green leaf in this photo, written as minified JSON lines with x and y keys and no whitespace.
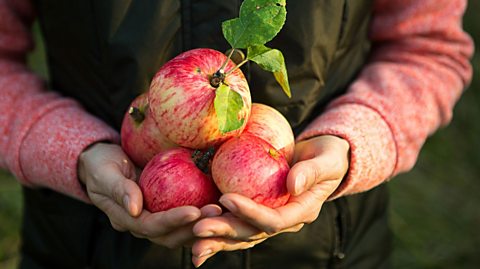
{"x":282,"y":79}
{"x":271,"y":60}
{"x":228,"y":106}
{"x":259,"y":22}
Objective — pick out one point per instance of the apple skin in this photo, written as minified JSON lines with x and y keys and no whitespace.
{"x":140,"y":138}
{"x":270,"y":125}
{"x":171,"y":179}
{"x":250,"y":166}
{"x":182,"y":99}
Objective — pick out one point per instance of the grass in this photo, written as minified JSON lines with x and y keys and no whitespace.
{"x":10,"y":213}
{"x":434,"y":208}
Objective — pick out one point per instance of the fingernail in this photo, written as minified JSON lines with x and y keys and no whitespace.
{"x":197,"y":263}
{"x":126,"y":203}
{"x":134,"y":209}
{"x":228,"y":204}
{"x":190,"y":217}
{"x":211,"y":211}
{"x":205,"y":234}
{"x":300,"y":183}
{"x":205,"y":253}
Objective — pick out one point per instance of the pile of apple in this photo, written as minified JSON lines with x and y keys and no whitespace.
{"x":188,"y":152}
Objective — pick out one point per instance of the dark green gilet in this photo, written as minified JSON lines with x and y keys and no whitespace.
{"x":103,"y":53}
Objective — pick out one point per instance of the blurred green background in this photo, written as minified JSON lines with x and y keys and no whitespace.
{"x":435,"y":212}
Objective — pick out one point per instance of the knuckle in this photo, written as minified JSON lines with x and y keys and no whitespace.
{"x":146,"y":233}
{"x":344,"y":167}
{"x":117,"y":226}
{"x":341,"y":166}
{"x":116,"y":193}
{"x":298,"y":227}
{"x":312,"y":217}
{"x":274,"y":228}
{"x":317,"y":175}
{"x":169,"y":243}
{"x":253,"y":243}
{"x":319,"y":197}
{"x":257,"y":237}
{"x":137,"y":235}
{"x":248,"y":245}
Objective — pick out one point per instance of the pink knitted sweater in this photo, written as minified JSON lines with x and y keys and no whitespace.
{"x":417,"y":72}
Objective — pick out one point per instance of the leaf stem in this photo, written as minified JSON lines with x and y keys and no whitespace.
{"x":236,"y":67}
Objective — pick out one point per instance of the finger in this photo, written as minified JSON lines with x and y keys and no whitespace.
{"x":118,"y":227}
{"x":129,"y":169}
{"x":308,"y":149}
{"x":210,"y":210}
{"x":125,"y":192}
{"x":301,"y":209}
{"x":205,"y":248}
{"x":132,"y":199}
{"x":151,"y":225}
{"x":198,"y":261}
{"x":181,"y":236}
{"x":227,"y":226}
{"x":116,"y":214}
{"x":233,"y":228}
{"x":304,"y":174}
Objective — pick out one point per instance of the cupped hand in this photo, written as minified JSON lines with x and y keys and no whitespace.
{"x":109,"y":177}
{"x":320,"y":163}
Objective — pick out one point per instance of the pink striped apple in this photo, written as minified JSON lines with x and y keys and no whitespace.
{"x":182,"y":94}
{"x":270,"y":125}
{"x":172,"y":179}
{"x":140,"y":137}
{"x":250,"y":166}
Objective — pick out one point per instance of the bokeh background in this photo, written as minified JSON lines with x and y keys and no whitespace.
{"x":435,"y":214}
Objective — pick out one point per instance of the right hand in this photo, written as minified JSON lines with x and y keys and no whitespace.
{"x":109,"y":177}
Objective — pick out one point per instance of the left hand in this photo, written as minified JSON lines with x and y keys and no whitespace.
{"x":109,"y":177}
{"x":320,"y":164}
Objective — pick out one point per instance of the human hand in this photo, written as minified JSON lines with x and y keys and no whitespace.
{"x":320,"y":164}
{"x":109,"y":177}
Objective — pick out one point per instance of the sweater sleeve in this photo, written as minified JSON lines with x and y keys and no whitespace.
{"x":41,"y":133}
{"x":417,"y":71}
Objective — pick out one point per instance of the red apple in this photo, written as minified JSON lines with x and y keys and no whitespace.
{"x":250,"y":166}
{"x":172,"y":179}
{"x":181,"y":98}
{"x":270,"y":125}
{"x":140,"y":137}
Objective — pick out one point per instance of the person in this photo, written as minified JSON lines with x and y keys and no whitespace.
{"x":371,"y":80}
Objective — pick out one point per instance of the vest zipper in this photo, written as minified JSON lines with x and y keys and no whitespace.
{"x":341,"y":230}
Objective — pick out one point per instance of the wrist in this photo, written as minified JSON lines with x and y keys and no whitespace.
{"x":82,"y":160}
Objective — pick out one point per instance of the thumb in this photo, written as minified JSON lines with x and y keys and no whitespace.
{"x":132,"y":199}
{"x":305,"y":174}
{"x":125,"y":192}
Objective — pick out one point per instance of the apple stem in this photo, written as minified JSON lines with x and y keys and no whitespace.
{"x":136,"y":114}
{"x":217,"y":78}
{"x":229,"y":56}
{"x":202,"y":160}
